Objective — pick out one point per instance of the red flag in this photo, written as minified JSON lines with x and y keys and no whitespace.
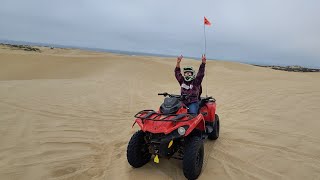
{"x":207,"y":22}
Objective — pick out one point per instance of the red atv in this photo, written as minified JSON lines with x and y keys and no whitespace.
{"x":172,"y":132}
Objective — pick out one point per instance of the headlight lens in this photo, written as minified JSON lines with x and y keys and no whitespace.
{"x":181,"y":131}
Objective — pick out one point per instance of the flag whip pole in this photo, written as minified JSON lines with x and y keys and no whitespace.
{"x":205,"y":51}
{"x":205,"y":38}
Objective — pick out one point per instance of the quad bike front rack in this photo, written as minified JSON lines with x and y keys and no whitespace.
{"x":146,"y":115}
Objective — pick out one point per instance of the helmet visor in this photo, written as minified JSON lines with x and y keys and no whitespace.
{"x":188,"y":69}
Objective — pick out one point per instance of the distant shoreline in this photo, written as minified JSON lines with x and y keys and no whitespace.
{"x":130,"y":53}
{"x":27,"y":46}
{"x":290,"y":68}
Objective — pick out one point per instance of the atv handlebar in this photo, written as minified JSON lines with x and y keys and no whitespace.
{"x":163,"y":94}
{"x":183,"y":96}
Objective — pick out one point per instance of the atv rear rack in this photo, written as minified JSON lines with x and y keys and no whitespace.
{"x":163,"y":117}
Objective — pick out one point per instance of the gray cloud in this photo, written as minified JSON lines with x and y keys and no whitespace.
{"x":274,"y":32}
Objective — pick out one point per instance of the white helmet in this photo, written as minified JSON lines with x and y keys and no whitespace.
{"x":189,"y":69}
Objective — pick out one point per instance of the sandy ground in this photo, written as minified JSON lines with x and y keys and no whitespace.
{"x":67,"y":114}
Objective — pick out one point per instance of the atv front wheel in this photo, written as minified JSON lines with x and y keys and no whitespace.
{"x":216,"y":129}
{"x":193,"y":157}
{"x":137,"y":150}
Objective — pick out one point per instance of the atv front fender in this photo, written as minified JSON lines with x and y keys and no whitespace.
{"x":197,"y":123}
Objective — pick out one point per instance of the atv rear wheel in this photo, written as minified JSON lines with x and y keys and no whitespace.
{"x":216,"y":129}
{"x":193,"y":157}
{"x":137,"y":150}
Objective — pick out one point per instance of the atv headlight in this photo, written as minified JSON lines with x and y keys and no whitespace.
{"x":181,"y":131}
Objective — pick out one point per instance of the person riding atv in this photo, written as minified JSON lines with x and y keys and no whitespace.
{"x":191,"y":83}
{"x":174,"y":130}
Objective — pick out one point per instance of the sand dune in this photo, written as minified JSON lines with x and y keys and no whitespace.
{"x":67,"y":114}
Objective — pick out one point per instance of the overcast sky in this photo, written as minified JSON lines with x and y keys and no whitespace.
{"x":268,"y":31}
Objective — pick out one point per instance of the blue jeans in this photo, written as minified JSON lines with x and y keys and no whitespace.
{"x":193,"y":108}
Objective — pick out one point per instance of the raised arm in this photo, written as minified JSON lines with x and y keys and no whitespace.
{"x":177,"y":70}
{"x":200,"y":73}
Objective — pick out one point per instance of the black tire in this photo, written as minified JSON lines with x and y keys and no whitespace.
{"x":193,"y":157}
{"x":216,"y":129}
{"x":137,"y":150}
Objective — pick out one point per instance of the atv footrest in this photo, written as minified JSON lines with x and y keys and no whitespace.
{"x":209,"y":129}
